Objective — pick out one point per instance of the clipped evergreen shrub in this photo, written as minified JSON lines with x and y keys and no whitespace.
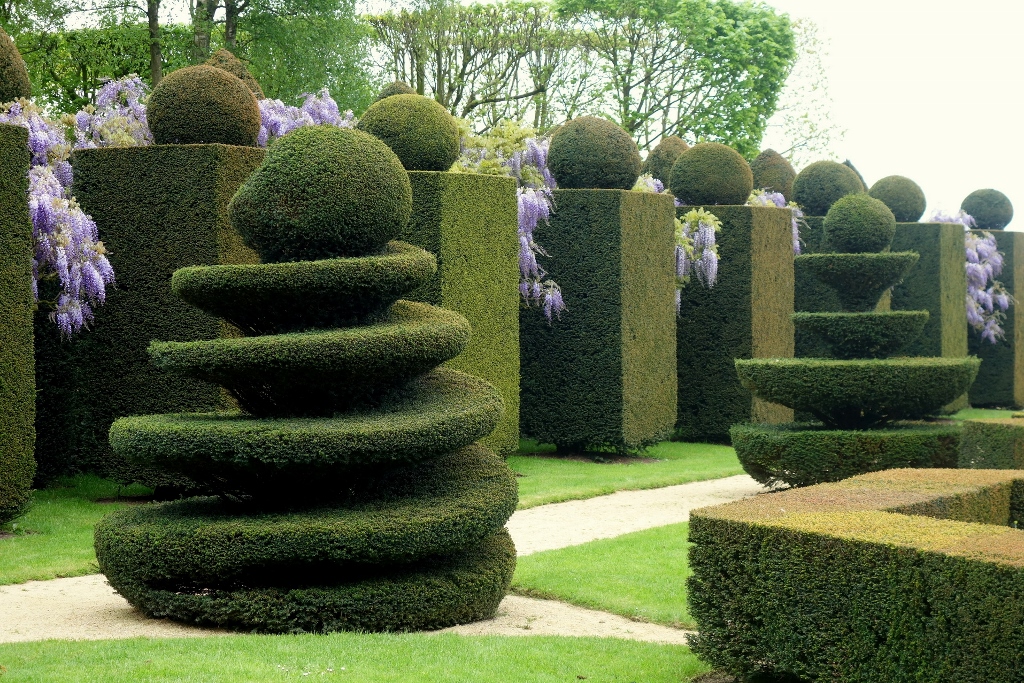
{"x":201,"y":105}
{"x":14,"y":81}
{"x":863,"y":183}
{"x":659,"y":160}
{"x":418,"y":129}
{"x":858,"y":280}
{"x":593,"y":153}
{"x":773,"y":172}
{"x":848,"y":335}
{"x":810,"y":294}
{"x":992,"y":444}
{"x":224,"y":59}
{"x":17,"y":360}
{"x":396,"y":88}
{"x":818,"y":186}
{"x":903,"y":196}
{"x":858,"y":223}
{"x":991,"y":209}
{"x":889,"y":577}
{"x":605,"y":373}
{"x":711,"y":173}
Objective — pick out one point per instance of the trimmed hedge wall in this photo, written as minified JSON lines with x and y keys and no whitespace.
{"x":470,"y":222}
{"x":898,"y":576}
{"x":158,"y":209}
{"x":1001,"y":379}
{"x":996,"y":444}
{"x":746,"y":315}
{"x":605,"y":373}
{"x":17,"y":378}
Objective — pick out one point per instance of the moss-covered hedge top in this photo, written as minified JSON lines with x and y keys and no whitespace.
{"x":859,"y":223}
{"x":419,"y":130}
{"x":223,"y":59}
{"x":818,"y":186}
{"x":203,"y":104}
{"x":593,"y":153}
{"x":903,"y":196}
{"x":396,"y":88}
{"x":14,"y":82}
{"x":711,"y":173}
{"x":773,"y":172}
{"x":660,"y":160}
{"x":991,"y":209}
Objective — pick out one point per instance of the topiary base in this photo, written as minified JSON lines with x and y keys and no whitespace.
{"x":801,"y":454}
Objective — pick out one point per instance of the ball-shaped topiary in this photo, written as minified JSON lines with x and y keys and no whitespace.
{"x":419,"y":130}
{"x":14,"y":82}
{"x":590,"y":152}
{"x":396,"y":88}
{"x":821,"y":184}
{"x":660,"y":160}
{"x":349,"y":196}
{"x":991,"y":209}
{"x":863,"y":183}
{"x":903,"y":196}
{"x":774,"y":173}
{"x":859,"y":223}
{"x":711,"y":173}
{"x":201,"y":105}
{"x":223,"y":59}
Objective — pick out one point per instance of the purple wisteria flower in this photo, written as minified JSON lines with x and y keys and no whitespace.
{"x":764,"y":197}
{"x":696,"y":250}
{"x":279,"y":119}
{"x":117,"y":120}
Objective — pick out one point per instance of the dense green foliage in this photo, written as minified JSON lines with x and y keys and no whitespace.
{"x":858,"y":280}
{"x":604,"y":375}
{"x":809,"y":293}
{"x":991,"y":209}
{"x":992,"y":444}
{"x":593,"y":153}
{"x":395,"y":88}
{"x":223,"y":59}
{"x":711,"y":173}
{"x":858,"y":223}
{"x":889,"y":577}
{"x":309,"y":201}
{"x":17,"y":378}
{"x":419,"y":130}
{"x":818,"y":186}
{"x":774,"y":173}
{"x":203,"y":104}
{"x":802,"y":455}
{"x":903,"y":196}
{"x":863,"y":184}
{"x":659,"y":160}
{"x":14,"y":82}
{"x":863,"y":335}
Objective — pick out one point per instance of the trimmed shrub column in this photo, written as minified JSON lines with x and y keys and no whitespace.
{"x":17,"y":374}
{"x":469,"y":222}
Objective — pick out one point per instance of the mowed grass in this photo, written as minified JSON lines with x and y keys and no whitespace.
{"x":641,"y":575}
{"x":983,"y":413}
{"x":549,"y":479}
{"x":354,"y":658}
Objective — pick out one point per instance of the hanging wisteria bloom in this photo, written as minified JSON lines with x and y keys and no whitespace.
{"x":118,"y":119}
{"x":766,"y":198}
{"x":278,"y":118}
{"x":696,"y":250}
{"x":648,"y":183}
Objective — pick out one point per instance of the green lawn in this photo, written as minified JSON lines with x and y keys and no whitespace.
{"x":357,"y":658}
{"x":641,"y":575}
{"x":978,"y":413}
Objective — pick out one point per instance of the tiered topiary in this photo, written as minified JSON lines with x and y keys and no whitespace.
{"x":351,"y":493}
{"x":396,"y":88}
{"x":660,"y":159}
{"x":903,"y":196}
{"x":862,"y":388}
{"x":14,"y":81}
{"x":203,"y":104}
{"x":774,"y":173}
{"x":711,"y":173}
{"x":418,"y":129}
{"x":594,"y":153}
{"x":821,"y":184}
{"x":223,"y":59}
{"x":991,"y":209}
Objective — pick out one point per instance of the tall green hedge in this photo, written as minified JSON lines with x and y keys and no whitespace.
{"x":17,"y":378}
{"x":746,"y":315}
{"x":898,"y":576}
{"x":469,"y":221}
{"x":604,"y":374}
{"x":1001,"y":379}
{"x":158,"y":209}
{"x":996,"y":444}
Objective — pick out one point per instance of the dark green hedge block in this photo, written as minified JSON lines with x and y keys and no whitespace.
{"x":17,"y":364}
{"x":1001,"y":379}
{"x":469,"y":222}
{"x":605,"y":373}
{"x":996,"y":444}
{"x":746,"y":315}
{"x":158,"y":208}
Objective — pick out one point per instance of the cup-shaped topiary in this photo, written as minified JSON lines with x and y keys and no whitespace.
{"x":14,"y":82}
{"x":396,"y":88}
{"x":903,"y":196}
{"x":711,"y":173}
{"x":419,"y":130}
{"x":863,"y":335}
{"x":326,"y":206}
{"x":858,"y":223}
{"x":991,"y":209}
{"x":224,"y":59}
{"x":203,"y":104}
{"x":593,"y":153}
{"x":774,"y":173}
{"x":660,"y":159}
{"x":859,"y":279}
{"x":818,"y":186}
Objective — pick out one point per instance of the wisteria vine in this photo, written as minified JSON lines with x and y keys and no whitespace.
{"x":765,"y":197}
{"x":278,"y":119}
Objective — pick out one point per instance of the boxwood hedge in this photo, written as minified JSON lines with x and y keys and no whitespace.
{"x":993,"y":444}
{"x":862,"y":335}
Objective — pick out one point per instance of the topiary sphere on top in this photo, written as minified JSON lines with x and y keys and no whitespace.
{"x":821,"y":184}
{"x":660,"y":160}
{"x":590,"y":152}
{"x":396,"y":88}
{"x":774,"y":173}
{"x":991,"y":209}
{"x":323,"y":192}
{"x":711,"y":173}
{"x":859,"y":223}
{"x":202,"y":105}
{"x":903,"y":196}
{"x":223,"y":59}
{"x":14,"y":82}
{"x":863,"y":183}
{"x":419,"y":130}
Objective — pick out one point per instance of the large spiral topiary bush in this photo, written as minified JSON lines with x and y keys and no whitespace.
{"x":418,"y":129}
{"x":821,"y":184}
{"x":351,"y":493}
{"x":660,"y":159}
{"x":711,"y":173}
{"x":991,"y":209}
{"x":202,"y":105}
{"x":14,"y":81}
{"x":774,"y":173}
{"x":903,"y":196}
{"x":591,"y":153}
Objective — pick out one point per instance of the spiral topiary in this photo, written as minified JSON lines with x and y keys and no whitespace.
{"x":903,"y":196}
{"x":711,"y":173}
{"x":818,"y":186}
{"x":991,"y":209}
{"x":326,"y":205}
{"x":224,"y":59}
{"x":14,"y":82}
{"x":202,"y":105}
{"x":660,"y":159}
{"x":593,"y":153}
{"x":396,"y":88}
{"x":774,"y":173}
{"x":859,"y":223}
{"x":419,"y":130}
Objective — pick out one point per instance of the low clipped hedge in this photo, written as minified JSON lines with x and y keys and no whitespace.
{"x":799,"y":455}
{"x":898,"y":576}
{"x":863,"y":335}
{"x":859,"y":280}
{"x":993,"y":444}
